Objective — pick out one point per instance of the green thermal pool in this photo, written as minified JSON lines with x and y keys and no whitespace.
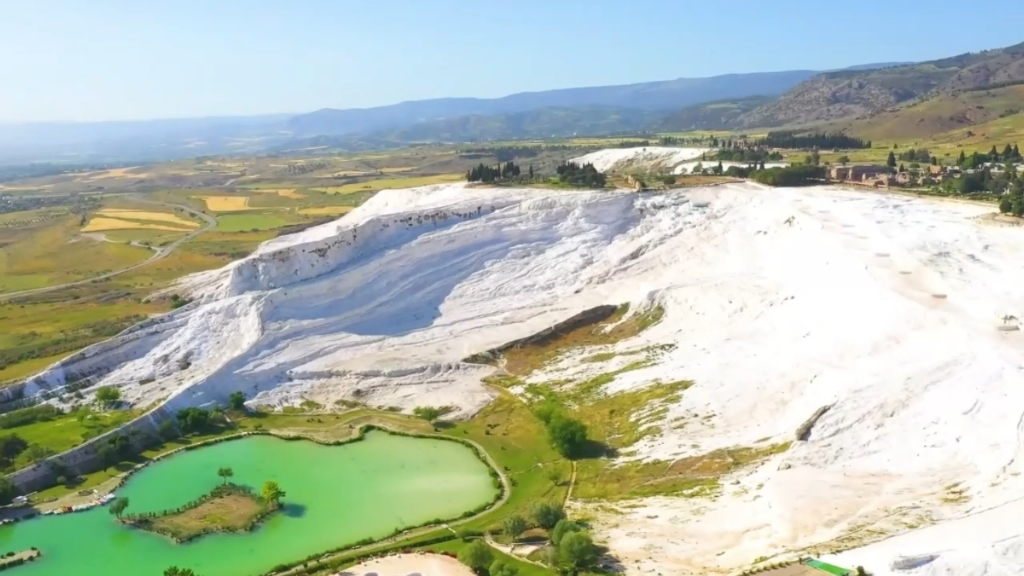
{"x":335,"y":495}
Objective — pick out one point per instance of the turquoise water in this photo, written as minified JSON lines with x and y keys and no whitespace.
{"x":335,"y":495}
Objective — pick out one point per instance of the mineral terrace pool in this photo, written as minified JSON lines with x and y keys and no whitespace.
{"x":335,"y":495}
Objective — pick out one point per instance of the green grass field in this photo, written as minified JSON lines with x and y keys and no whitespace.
{"x":250,"y":222}
{"x":387,"y":183}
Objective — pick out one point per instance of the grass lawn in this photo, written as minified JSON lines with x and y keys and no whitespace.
{"x":250,"y":222}
{"x":67,"y":431}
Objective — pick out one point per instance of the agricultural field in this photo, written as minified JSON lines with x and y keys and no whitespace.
{"x":105,"y":221}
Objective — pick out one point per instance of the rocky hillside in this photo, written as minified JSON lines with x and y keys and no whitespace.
{"x":847,"y":93}
{"x":718,"y":115}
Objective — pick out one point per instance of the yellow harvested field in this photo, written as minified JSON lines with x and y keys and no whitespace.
{"x":327,"y":211}
{"x":285,"y":192}
{"x":343,"y":173}
{"x":148,"y":216}
{"x":101,"y":224}
{"x":115,"y":173}
{"x":226,"y":203}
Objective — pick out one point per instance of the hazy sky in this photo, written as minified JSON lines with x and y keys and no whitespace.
{"x":130,"y":59}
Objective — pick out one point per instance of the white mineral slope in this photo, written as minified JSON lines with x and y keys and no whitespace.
{"x":650,"y":157}
{"x":773,"y":321}
{"x":382,"y":305}
{"x":778,"y":302}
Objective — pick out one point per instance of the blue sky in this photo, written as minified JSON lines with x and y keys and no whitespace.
{"x":121,"y":59}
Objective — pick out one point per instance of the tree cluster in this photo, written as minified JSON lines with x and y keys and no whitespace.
{"x":583,"y":176}
{"x":484,"y":173}
{"x":568,"y":436}
{"x":1009,"y":155}
{"x":800,"y":175}
{"x":747,"y":155}
{"x":821,"y":140}
{"x":921,"y":155}
{"x":305,"y":168}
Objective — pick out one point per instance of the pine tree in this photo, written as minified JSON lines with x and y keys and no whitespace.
{"x":891,"y":160}
{"x":993,"y":154}
{"x":1016,"y":152}
{"x":1007,"y":152}
{"x":962,"y":160}
{"x":531,"y":171}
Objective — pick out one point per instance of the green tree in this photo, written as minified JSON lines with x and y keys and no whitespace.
{"x":108,"y":455}
{"x":225,"y":473}
{"x":7,"y":491}
{"x":271,"y":492}
{"x":35,"y":453}
{"x":11,"y":446}
{"x":1017,"y":206}
{"x":962,"y":159}
{"x":108,"y":396}
{"x":236,"y":401}
{"x":477,"y":556}
{"x":555,"y":476}
{"x":547,"y":515}
{"x":118,"y":506}
{"x":669,"y":180}
{"x":167,"y":430}
{"x":499,"y":568}
{"x":428,"y":413}
{"x":531,"y":171}
{"x":175,"y":571}
{"x":514,"y":526}
{"x":576,"y":551}
{"x":563,"y":527}
{"x":891,"y":160}
{"x":567,"y":436}
{"x":844,"y":160}
{"x":1005,"y":205}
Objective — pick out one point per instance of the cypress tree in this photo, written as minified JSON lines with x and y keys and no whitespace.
{"x":962,"y":160}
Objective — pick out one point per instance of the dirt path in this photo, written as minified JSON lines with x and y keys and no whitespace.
{"x":162,"y":253}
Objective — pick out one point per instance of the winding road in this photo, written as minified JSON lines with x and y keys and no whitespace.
{"x":164,"y":252}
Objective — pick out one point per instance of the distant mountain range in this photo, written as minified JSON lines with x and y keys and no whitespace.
{"x":648,"y":96}
{"x":851,"y":93}
{"x":730,"y":102}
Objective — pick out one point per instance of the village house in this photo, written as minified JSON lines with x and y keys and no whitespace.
{"x":856,"y":173}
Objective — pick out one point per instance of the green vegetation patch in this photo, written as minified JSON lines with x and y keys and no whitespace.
{"x":619,"y":326}
{"x":250,"y":222}
{"x":227,"y":508}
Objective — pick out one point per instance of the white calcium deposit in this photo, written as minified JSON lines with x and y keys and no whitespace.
{"x":778,"y":302}
{"x":648,"y":158}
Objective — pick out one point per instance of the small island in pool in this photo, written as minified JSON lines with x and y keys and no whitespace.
{"x":227,"y":508}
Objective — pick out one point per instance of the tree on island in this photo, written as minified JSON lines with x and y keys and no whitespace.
{"x":175,"y":571}
{"x":271,"y":492}
{"x":477,"y":556}
{"x":236,"y":401}
{"x":108,"y":396}
{"x":118,"y":506}
{"x":225,"y":473}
